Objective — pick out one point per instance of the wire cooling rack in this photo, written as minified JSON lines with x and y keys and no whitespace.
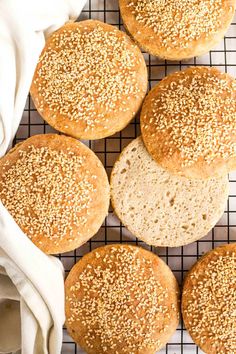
{"x":179,"y":259}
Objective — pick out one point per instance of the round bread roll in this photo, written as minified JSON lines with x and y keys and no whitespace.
{"x":56,"y":189}
{"x":175,"y":31}
{"x":121,"y":299}
{"x":162,"y":209}
{"x":90,"y":80}
{"x":188,"y":123}
{"x":209,"y":301}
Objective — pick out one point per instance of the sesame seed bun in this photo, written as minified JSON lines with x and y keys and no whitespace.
{"x":160,"y":208}
{"x":121,"y":299}
{"x":56,"y":189}
{"x":188,"y":123}
{"x":209,"y":301}
{"x":175,"y":32}
{"x":90,"y":80}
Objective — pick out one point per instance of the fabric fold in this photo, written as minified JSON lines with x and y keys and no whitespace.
{"x":31,"y":283}
{"x":38,"y":281}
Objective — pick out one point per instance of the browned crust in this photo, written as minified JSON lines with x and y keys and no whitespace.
{"x":118,"y":120}
{"x":155,"y":141}
{"x":200,"y":267}
{"x":149,"y":41}
{"x":164,"y":275}
{"x":100,"y":204}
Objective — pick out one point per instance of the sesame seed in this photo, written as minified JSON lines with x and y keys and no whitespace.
{"x":178,"y":23}
{"x":47,"y":192}
{"x":85,"y":73}
{"x":195,"y":111}
{"x":121,"y":300}
{"x":209,"y":303}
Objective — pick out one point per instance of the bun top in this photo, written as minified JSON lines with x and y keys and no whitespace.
{"x":174,"y":29}
{"x":121,"y":299}
{"x":90,"y":80}
{"x":188,"y":122}
{"x":209,"y":300}
{"x":56,"y":189}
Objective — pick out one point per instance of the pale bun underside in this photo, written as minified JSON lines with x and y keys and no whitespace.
{"x":162,"y":209}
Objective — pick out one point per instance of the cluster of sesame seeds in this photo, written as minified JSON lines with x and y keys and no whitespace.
{"x":47,"y":192}
{"x":86,"y":74}
{"x":123,"y":303}
{"x":178,"y":23}
{"x":210,"y":305}
{"x":197,"y":112}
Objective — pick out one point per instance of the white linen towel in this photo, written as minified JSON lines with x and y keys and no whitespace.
{"x":31,"y":294}
{"x":31,"y":283}
{"x":24,"y":24}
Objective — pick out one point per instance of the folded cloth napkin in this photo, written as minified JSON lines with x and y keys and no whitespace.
{"x":24,"y":25}
{"x":31,"y":294}
{"x":31,"y":283}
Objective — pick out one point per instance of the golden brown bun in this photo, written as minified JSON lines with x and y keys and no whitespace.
{"x":90,"y":80}
{"x":188,"y":123}
{"x":56,"y":189}
{"x":121,"y":299}
{"x":209,"y":301}
{"x":175,"y":32}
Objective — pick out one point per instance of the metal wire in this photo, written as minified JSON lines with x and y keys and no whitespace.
{"x":179,"y":259}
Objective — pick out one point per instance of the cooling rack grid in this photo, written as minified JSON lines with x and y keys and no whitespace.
{"x":179,"y":259}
